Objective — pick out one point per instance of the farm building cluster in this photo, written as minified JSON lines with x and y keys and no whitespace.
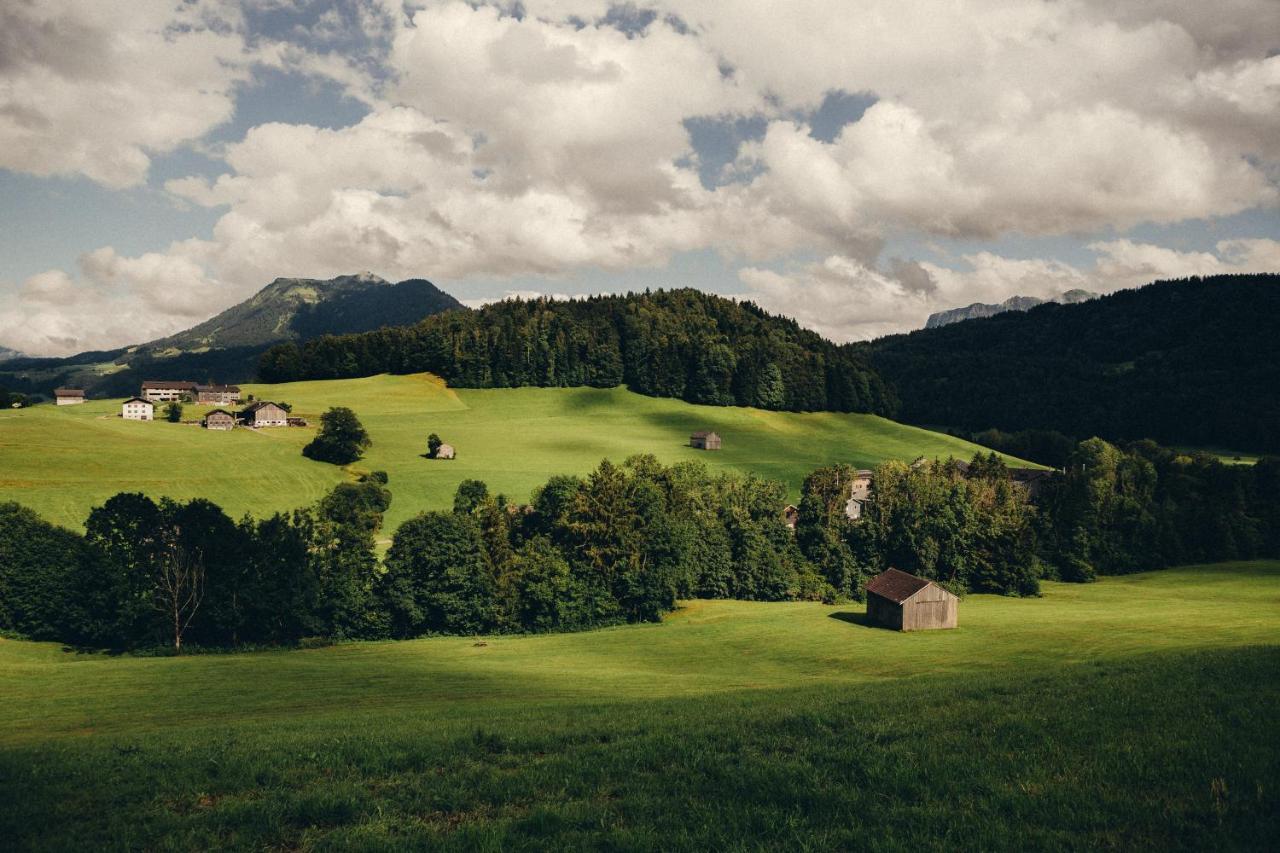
{"x":859,"y":491}
{"x":257,"y":415}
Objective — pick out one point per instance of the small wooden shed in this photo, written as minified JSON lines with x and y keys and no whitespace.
{"x":704,"y":440}
{"x":905,"y":602}
{"x":446,"y":451}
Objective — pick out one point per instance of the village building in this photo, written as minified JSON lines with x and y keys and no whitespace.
{"x":1032,"y":480}
{"x":704,"y":440}
{"x":167,"y":390}
{"x":218,"y":395}
{"x":138,"y":409}
{"x":219,"y":419}
{"x":264,"y":413}
{"x":68,"y":396}
{"x":905,"y":602}
{"x":445,"y":451}
{"x":791,"y":515}
{"x":859,"y":494}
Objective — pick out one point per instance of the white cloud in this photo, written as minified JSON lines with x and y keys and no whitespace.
{"x":97,"y":88}
{"x":847,"y":300}
{"x":552,"y":142}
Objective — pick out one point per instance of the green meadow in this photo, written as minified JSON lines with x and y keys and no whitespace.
{"x":63,"y":461}
{"x":1137,"y":712}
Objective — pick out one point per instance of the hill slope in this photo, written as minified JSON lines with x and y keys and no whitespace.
{"x":682,"y":343}
{"x":62,"y":461}
{"x":1193,"y":362}
{"x":226,"y":348}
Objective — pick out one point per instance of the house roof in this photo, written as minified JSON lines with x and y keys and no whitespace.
{"x":138,"y":400}
{"x":219,"y":389}
{"x":220,"y":412}
{"x":261,"y":404}
{"x":68,"y":392}
{"x":895,"y":585}
{"x":703,"y":433}
{"x":863,"y":472}
{"x":158,"y":384}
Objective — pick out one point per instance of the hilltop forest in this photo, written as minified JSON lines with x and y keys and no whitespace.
{"x":1191,"y":362}
{"x":675,"y":343}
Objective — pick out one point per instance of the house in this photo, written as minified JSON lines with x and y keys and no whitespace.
{"x":445,"y":451}
{"x":167,"y":390}
{"x":264,"y":413}
{"x":905,"y":602}
{"x":224,"y":395}
{"x":790,"y":515}
{"x":704,"y":440}
{"x":1033,"y":480}
{"x":859,"y":494}
{"x":219,"y":419}
{"x":68,"y":396}
{"x":138,"y":409}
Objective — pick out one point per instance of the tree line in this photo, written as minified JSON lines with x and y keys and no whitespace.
{"x":1191,"y":362}
{"x":670,"y":343}
{"x":622,"y":544}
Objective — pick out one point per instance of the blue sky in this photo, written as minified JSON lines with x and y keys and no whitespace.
{"x":851,"y":168}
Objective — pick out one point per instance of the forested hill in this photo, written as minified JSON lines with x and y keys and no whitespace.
{"x":670,"y":343}
{"x":1194,"y":361}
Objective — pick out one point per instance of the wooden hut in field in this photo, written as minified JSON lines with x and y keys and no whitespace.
{"x":905,"y":602}
{"x":705,"y":440}
{"x":446,"y":451}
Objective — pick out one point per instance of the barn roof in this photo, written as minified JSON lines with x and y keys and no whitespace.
{"x":68,"y":392}
{"x":219,"y":389}
{"x":220,"y":412}
{"x":702,"y":433}
{"x":165,"y":384}
{"x":261,"y":404}
{"x":895,"y":585}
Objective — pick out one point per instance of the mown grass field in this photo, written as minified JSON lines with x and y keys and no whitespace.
{"x":1134,"y":713}
{"x":63,"y":461}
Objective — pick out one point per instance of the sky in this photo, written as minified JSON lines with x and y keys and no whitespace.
{"x":855,"y":165}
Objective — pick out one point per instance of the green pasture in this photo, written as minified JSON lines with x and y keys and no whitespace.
{"x":1133,"y":713}
{"x":61,"y":461}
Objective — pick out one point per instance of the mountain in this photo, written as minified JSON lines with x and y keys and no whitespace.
{"x":1189,"y":362}
{"x":302,"y":308}
{"x":683,"y":343}
{"x":1014,"y":303}
{"x":6,"y":354}
{"x":226,"y":348}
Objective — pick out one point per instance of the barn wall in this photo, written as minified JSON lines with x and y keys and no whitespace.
{"x":931,"y":608}
{"x":884,"y":612}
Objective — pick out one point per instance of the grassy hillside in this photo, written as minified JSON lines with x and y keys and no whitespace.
{"x":62,"y":461}
{"x":1137,"y":712}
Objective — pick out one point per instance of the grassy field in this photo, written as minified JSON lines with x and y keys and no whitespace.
{"x":1137,"y":712}
{"x":62,"y":461}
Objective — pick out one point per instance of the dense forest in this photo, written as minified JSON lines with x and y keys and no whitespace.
{"x":678,"y":343}
{"x":622,"y":544}
{"x":1191,"y":362}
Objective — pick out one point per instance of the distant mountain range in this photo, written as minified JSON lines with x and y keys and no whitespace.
{"x":1013,"y":303}
{"x":226,"y":348}
{"x":6,"y":354}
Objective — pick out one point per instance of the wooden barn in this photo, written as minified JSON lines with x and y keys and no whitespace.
{"x":219,"y":419}
{"x":905,"y":602}
{"x":68,"y":396}
{"x":446,"y":451}
{"x":704,"y":440}
{"x":264,"y":413}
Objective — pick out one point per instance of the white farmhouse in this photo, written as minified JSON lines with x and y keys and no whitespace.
{"x":138,"y":409}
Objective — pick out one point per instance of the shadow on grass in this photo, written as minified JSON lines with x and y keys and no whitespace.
{"x":860,"y":619}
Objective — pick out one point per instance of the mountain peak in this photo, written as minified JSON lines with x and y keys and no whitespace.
{"x":1013,"y":303}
